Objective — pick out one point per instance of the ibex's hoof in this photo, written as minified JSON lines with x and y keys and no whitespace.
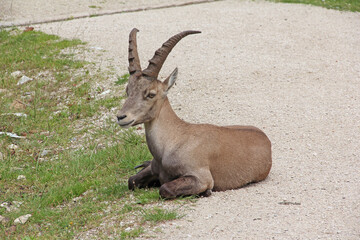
{"x":207,"y":193}
{"x":165,"y":192}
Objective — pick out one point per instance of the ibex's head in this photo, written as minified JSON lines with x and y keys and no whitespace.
{"x":145,"y":92}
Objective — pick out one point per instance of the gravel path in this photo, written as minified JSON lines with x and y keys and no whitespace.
{"x":291,"y":70}
{"x":20,"y":12}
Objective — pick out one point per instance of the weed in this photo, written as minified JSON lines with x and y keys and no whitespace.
{"x":123,"y":79}
{"x":159,"y":215}
{"x":133,"y":233}
{"x":145,"y":196}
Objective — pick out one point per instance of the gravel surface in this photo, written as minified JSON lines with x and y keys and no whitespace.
{"x":20,"y":12}
{"x":291,"y":70}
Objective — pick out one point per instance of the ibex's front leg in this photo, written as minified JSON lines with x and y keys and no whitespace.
{"x":144,"y":178}
{"x":184,"y":186}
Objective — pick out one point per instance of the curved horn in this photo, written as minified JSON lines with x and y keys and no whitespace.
{"x":155,"y":64}
{"x":134,"y":61}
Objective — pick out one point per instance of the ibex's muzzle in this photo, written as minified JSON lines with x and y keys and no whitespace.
{"x":124,"y":121}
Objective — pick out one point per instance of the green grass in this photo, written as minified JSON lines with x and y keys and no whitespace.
{"x":159,"y":215}
{"x":122,"y":79}
{"x":81,"y":180}
{"x":343,"y":5}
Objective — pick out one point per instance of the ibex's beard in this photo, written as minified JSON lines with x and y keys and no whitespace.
{"x":126,"y":124}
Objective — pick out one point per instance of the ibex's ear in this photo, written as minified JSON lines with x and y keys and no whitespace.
{"x":170,"y":80}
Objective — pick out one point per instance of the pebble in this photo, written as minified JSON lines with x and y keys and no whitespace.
{"x":77,"y":199}
{"x":104,"y":93}
{"x":1,"y":156}
{"x":4,"y":220}
{"x":9,"y":207}
{"x":13,"y":135}
{"x":45,"y":152}
{"x":13,"y":146}
{"x":24,"y":79}
{"x":16,"y":74}
{"x":15,"y":114}
{"x":17,"y":203}
{"x":22,"y":219}
{"x":21,"y":177}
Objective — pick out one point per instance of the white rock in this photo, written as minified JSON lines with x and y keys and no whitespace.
{"x":17,"y":203}
{"x":24,"y":79}
{"x":77,"y":199}
{"x":9,"y":207}
{"x":22,"y":219}
{"x":15,"y":114}
{"x":45,"y":152}
{"x":128,"y":229}
{"x":4,"y":204}
{"x":21,"y":177}
{"x":3,"y":220}
{"x":97,"y":48}
{"x":13,"y":146}
{"x":104,"y":93}
{"x":88,"y":192}
{"x":16,"y":169}
{"x":16,"y":74}
{"x":13,"y":135}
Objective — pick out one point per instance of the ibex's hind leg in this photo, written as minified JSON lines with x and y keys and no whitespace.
{"x":144,"y":178}
{"x":184,"y":186}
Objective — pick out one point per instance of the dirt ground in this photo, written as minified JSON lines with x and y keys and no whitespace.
{"x":291,"y":70}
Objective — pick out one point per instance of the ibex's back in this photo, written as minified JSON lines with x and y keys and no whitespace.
{"x":188,"y":158}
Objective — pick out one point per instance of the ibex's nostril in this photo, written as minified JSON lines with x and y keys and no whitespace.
{"x":121,"y":117}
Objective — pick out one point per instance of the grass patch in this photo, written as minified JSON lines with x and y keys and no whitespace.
{"x":122,"y":79}
{"x":343,"y":5}
{"x":159,"y":215}
{"x":72,"y":181}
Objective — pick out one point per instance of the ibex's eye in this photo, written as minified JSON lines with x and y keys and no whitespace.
{"x":151,"y":95}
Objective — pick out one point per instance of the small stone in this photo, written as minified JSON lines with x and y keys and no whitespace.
{"x":16,"y":74}
{"x":104,"y":93}
{"x":12,"y":135}
{"x":21,"y":177}
{"x":128,"y":229}
{"x":17,"y":203}
{"x":16,"y":169}
{"x":9,"y":207}
{"x":45,"y":152}
{"x":15,"y":114}
{"x":13,"y":146}
{"x":4,"y":220}
{"x":1,"y":156}
{"x":88,"y":192}
{"x":22,"y":219}
{"x":77,"y":199}
{"x":24,"y":79}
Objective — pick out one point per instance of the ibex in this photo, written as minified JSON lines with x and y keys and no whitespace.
{"x":188,"y":159}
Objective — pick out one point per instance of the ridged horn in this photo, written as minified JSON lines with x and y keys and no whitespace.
{"x":155,"y":64}
{"x":134,"y":61}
